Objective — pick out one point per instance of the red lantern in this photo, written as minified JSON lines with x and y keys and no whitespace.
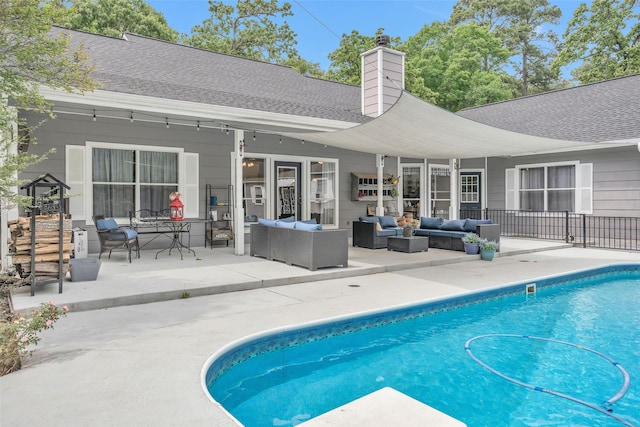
{"x":176,"y":210}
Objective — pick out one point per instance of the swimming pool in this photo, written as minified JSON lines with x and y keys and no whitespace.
{"x":287,"y":376}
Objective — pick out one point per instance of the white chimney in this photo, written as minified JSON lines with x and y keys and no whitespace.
{"x":382,"y":77}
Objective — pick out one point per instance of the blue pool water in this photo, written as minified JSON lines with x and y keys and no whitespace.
{"x":288,"y":377}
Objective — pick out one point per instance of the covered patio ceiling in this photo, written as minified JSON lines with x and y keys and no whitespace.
{"x":417,"y":129}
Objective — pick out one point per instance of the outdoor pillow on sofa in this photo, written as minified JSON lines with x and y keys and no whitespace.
{"x":471,"y":225}
{"x":431,"y":223}
{"x":288,"y":219}
{"x":265,"y":221}
{"x":307,"y":226}
{"x":388,"y":221}
{"x":453,"y":225}
{"x":285,"y":224}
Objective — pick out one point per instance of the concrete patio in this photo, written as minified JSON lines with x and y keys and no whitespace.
{"x":115,"y":361}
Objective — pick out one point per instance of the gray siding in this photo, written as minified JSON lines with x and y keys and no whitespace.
{"x":214,"y":149}
{"x":616,"y":178}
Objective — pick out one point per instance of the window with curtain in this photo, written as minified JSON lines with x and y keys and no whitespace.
{"x":548,"y":188}
{"x":127,"y":180}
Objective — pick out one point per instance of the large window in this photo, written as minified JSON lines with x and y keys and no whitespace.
{"x":127,"y":180}
{"x":548,"y":188}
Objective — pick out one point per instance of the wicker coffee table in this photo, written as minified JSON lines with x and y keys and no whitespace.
{"x":408,"y":244}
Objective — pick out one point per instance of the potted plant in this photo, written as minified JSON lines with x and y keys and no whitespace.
{"x":488,"y":249}
{"x":471,"y":243}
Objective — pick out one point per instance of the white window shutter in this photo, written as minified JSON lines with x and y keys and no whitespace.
{"x":584,"y":193}
{"x":74,"y":178}
{"x":191,"y":184}
{"x":511,"y":189}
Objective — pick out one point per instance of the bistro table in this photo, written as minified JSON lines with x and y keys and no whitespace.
{"x":175,"y":230}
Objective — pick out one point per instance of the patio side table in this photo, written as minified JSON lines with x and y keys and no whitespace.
{"x":408,"y":244}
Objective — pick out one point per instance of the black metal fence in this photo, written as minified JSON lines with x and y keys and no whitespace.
{"x":605,"y":232}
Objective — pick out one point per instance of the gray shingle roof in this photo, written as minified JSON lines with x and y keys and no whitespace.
{"x":603,"y":111}
{"x":145,"y":66}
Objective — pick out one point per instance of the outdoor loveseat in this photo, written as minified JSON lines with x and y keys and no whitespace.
{"x":299,"y":243}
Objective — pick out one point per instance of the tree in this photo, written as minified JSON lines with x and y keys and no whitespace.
{"x":520,"y":26}
{"x":304,"y":67}
{"x":31,"y":55}
{"x":450,"y":63}
{"x":115,"y":17}
{"x":605,"y":38}
{"x":248,"y":30}
{"x":526,"y":38}
{"x":345,"y":63}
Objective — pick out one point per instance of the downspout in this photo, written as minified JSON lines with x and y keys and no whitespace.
{"x":238,"y":211}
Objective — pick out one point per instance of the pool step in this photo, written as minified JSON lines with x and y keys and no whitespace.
{"x":385,"y":407}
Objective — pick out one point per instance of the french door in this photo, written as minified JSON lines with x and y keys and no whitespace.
{"x":287,"y":186}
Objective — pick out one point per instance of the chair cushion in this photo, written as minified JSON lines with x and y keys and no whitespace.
{"x":307,"y":226}
{"x":471,"y":225}
{"x":387,"y":221}
{"x":431,"y":223}
{"x":106,"y":224}
{"x":265,"y":221}
{"x":386,"y":232}
{"x":453,"y":225}
{"x":122,"y":234}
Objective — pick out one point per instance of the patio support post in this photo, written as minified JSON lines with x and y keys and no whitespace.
{"x":238,"y":211}
{"x":380,"y":164}
{"x":454,"y":167}
{"x":8,"y":147}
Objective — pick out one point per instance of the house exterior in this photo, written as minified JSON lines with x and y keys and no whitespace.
{"x":174,"y":118}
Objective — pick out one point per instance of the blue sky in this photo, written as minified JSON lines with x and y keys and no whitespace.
{"x":320,"y":24}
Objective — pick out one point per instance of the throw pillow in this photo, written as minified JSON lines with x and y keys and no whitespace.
{"x":288,"y":219}
{"x":453,"y":225}
{"x":269,"y":222}
{"x":431,"y":223}
{"x":106,"y":224}
{"x":378,"y":226}
{"x":285,"y":224}
{"x":471,"y":225}
{"x":308,"y":226}
{"x":388,"y":221}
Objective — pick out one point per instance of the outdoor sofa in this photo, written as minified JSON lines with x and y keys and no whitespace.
{"x":447,"y":234}
{"x":301,"y":243}
{"x":373,"y":231}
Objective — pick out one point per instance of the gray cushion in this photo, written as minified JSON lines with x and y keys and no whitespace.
{"x":431,"y":223}
{"x":453,"y":225}
{"x":119,"y":235}
{"x":471,"y":225}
